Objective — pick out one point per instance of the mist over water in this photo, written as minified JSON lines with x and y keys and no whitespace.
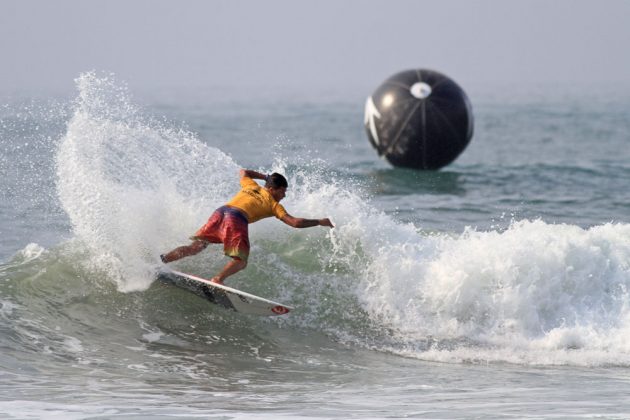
{"x":433,"y":267}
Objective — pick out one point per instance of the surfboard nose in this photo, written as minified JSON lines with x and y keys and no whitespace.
{"x":280,"y":310}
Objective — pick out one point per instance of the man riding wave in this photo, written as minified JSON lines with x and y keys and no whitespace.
{"x":229,"y":224}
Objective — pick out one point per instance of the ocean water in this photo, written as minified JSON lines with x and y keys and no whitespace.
{"x":494,"y":288}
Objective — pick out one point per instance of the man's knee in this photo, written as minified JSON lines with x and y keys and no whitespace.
{"x":241,"y":263}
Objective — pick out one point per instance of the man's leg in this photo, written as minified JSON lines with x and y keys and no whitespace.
{"x":184,"y":251}
{"x":233,"y":266}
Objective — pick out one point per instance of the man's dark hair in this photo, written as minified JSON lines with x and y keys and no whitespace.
{"x":275,"y":180}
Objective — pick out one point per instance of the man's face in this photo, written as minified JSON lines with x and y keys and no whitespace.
{"x":278,"y":193}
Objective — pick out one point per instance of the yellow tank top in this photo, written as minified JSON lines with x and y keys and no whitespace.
{"x":256,"y":202}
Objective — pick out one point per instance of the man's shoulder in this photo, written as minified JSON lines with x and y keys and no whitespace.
{"x":278,"y":210}
{"x":248,"y":182}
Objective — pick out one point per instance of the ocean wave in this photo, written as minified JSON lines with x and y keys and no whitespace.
{"x":533,"y":293}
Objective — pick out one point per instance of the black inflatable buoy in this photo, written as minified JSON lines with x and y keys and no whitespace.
{"x":419,"y":119}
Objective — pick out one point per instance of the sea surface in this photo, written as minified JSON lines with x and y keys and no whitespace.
{"x":497,"y":287}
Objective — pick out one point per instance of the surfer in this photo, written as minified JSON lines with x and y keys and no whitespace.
{"x":228,"y":224}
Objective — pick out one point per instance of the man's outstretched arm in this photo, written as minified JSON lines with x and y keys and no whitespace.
{"x":298,"y":222}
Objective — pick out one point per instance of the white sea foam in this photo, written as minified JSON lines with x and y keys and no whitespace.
{"x":7,"y":308}
{"x":30,"y":252}
{"x":536,"y":293}
{"x":73,"y":345}
{"x":152,"y":337}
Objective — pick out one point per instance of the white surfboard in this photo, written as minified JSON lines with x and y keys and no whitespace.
{"x":225,"y":296}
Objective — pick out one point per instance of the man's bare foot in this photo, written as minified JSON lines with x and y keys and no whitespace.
{"x":216,"y":280}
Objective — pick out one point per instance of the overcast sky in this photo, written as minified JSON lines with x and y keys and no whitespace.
{"x":326,"y":45}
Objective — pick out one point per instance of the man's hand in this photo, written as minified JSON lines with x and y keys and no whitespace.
{"x":326,"y":222}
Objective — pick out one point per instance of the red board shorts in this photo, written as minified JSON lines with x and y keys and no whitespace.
{"x":227,"y":226}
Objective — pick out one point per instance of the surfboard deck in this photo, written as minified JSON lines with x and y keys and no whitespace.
{"x":224,"y":296}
